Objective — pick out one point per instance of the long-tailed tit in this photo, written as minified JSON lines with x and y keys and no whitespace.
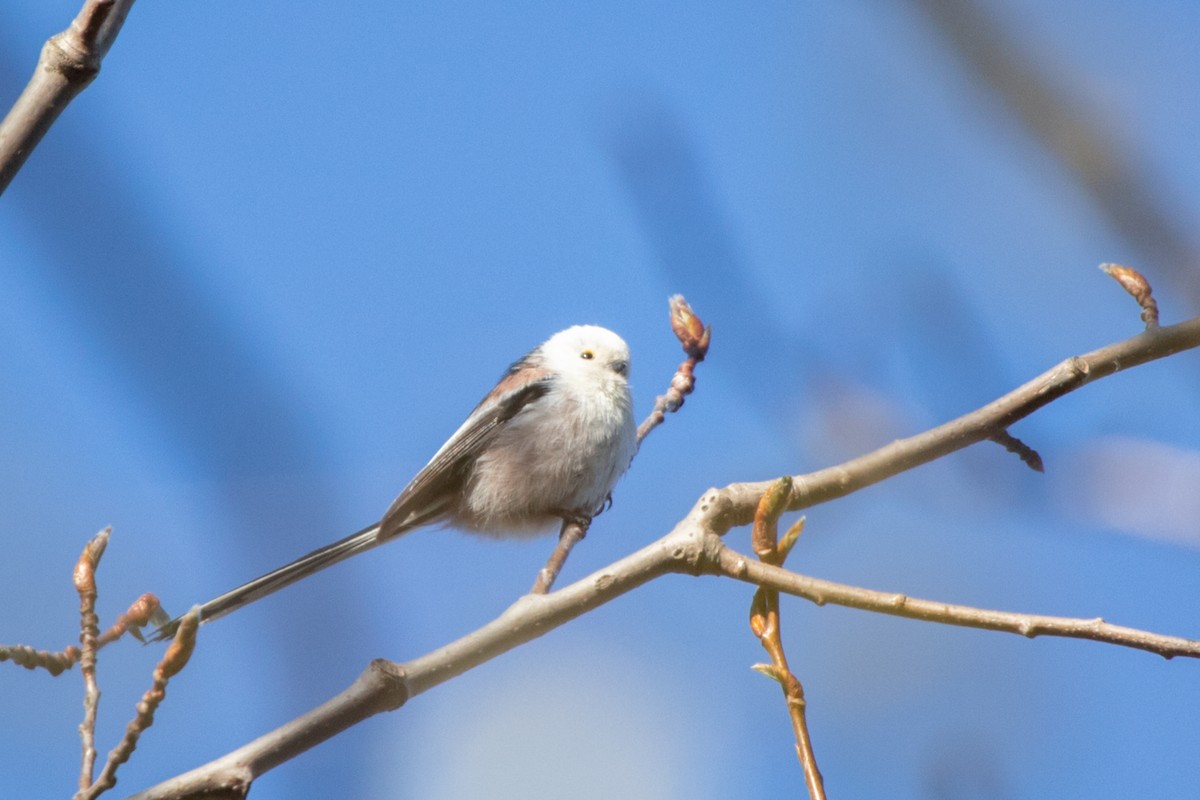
{"x":547,"y":444}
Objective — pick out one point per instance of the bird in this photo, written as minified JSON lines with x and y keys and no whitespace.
{"x":546,"y":445}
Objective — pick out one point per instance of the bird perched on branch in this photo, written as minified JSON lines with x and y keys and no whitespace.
{"x":546,"y":445}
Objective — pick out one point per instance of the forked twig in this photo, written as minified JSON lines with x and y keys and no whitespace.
{"x":174,"y":659}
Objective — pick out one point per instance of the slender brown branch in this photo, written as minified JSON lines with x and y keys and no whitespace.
{"x":386,"y":686}
{"x":689,"y":549}
{"x":175,"y":659}
{"x":735,"y":565}
{"x":572,"y":533}
{"x":91,"y":640}
{"x":737,"y":501}
{"x":695,"y":337}
{"x":31,"y":658}
{"x":68,"y":63}
{"x":85,"y":584}
{"x":139,"y":614}
{"x":1029,"y":457}
{"x":765,"y":623}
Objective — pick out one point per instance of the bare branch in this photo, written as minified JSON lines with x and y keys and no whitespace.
{"x":739,"y":500}
{"x":140,"y":613}
{"x":735,"y":565}
{"x":765,"y":623}
{"x":689,"y":549}
{"x":85,"y":584}
{"x":695,"y":337}
{"x":68,"y":63}
{"x":1029,"y":457}
{"x":386,"y":686}
{"x":30,"y":658}
{"x":175,"y":659}
{"x":572,"y":533}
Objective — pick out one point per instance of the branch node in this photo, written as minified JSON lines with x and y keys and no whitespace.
{"x":394,"y":681}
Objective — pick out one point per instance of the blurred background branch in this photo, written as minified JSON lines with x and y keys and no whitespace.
{"x":1052,"y":103}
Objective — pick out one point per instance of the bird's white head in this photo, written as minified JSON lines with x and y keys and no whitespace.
{"x":588,"y":352}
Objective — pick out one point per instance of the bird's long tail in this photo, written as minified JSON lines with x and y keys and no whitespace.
{"x":286,"y":575}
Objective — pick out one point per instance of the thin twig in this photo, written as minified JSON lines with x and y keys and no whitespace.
{"x":695,"y":337}
{"x":765,"y":623}
{"x":140,"y":612}
{"x":1029,"y":457}
{"x":85,"y":584}
{"x":68,"y":63}
{"x":1138,"y":287}
{"x":143,"y":610}
{"x":689,"y":549}
{"x":175,"y":659}
{"x":738,"y":501}
{"x":386,"y":686}
{"x":735,"y":565}
{"x":572,"y":533}
{"x":30,"y":658}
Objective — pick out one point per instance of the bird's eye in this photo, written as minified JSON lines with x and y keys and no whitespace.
{"x":587,"y":355}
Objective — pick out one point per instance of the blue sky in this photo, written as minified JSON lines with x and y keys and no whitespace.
{"x":264,"y":265}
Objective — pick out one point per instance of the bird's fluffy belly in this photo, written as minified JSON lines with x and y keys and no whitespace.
{"x":516,"y":488}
